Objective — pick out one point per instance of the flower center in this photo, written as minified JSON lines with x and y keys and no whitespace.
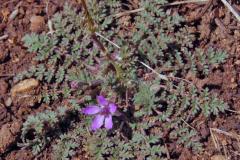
{"x":105,"y":111}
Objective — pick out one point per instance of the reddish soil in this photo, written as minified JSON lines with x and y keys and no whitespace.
{"x":31,"y":17}
{"x":212,"y":22}
{"x":215,"y":24}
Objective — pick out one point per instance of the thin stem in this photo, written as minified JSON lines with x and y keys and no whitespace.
{"x":164,"y":5}
{"x":92,"y":29}
{"x":161,"y":76}
{"x":89,"y":18}
{"x":107,"y":40}
{"x":231,"y":9}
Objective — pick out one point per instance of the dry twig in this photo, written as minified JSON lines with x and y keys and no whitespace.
{"x":204,"y":9}
{"x":234,"y":12}
{"x":3,"y":37}
{"x":185,"y":2}
{"x":161,"y":76}
{"x":164,"y":5}
{"x":188,"y":124}
{"x":108,"y":40}
{"x":7,"y":75}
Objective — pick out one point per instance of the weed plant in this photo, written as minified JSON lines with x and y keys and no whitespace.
{"x":75,"y":65}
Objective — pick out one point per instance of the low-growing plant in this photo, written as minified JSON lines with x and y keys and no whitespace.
{"x":75,"y":64}
{"x":65,"y":147}
{"x":38,"y":130}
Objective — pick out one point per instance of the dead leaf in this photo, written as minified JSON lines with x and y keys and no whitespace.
{"x":37,"y":23}
{"x":5,"y":12}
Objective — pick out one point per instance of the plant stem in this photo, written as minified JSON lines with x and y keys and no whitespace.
{"x":92,"y":29}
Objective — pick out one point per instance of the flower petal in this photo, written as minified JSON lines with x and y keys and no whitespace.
{"x":74,"y":84}
{"x":108,"y":124}
{"x":102,"y":101}
{"x":92,"y":109}
{"x":112,"y":108}
{"x":97,"y":122}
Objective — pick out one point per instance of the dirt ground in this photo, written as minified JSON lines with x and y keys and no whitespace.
{"x":212,"y":22}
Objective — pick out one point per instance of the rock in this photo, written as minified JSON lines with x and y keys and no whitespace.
{"x":4,"y":115}
{"x":8,"y":102}
{"x":26,"y":93}
{"x":3,"y":87}
{"x":37,"y":23}
{"x":24,"y":86}
{"x":8,"y":135}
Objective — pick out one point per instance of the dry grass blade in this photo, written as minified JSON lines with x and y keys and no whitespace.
{"x":226,"y":133}
{"x":185,"y":2}
{"x":230,"y":110}
{"x":108,"y":40}
{"x":144,"y":64}
{"x":188,"y":124}
{"x":168,"y":4}
{"x":234,"y":12}
{"x":128,"y":12}
{"x":13,"y":14}
{"x":161,"y":76}
{"x":7,"y":75}
{"x":3,"y":37}
{"x":215,"y":140}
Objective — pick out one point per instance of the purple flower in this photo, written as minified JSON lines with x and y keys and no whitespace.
{"x":116,"y":56}
{"x":74,"y":84}
{"x":103,"y":113}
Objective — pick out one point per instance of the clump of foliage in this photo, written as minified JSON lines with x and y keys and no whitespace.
{"x":37,"y":129}
{"x":157,"y":112}
{"x":65,"y":148}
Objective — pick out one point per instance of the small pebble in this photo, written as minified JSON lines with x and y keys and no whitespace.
{"x":8,"y":102}
{"x":3,"y":87}
{"x":24,"y":86}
